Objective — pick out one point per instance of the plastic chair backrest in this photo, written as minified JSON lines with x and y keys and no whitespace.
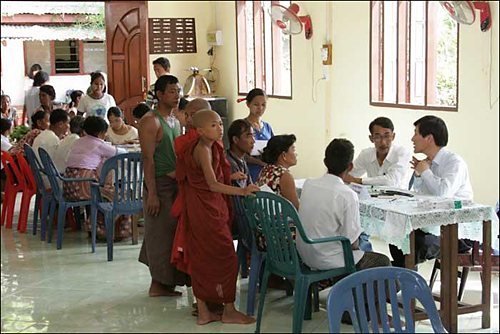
{"x":244,"y":228}
{"x":25,"y":169}
{"x":274,"y":214}
{"x":12,"y":172}
{"x":51,"y":171}
{"x":35,"y":166}
{"x":348,"y":295}
{"x":128,"y":178}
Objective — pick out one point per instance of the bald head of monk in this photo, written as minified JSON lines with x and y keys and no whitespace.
{"x":192,"y":108}
{"x":208,"y":124}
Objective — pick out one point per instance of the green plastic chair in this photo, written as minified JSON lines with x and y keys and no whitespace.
{"x":271,"y":214}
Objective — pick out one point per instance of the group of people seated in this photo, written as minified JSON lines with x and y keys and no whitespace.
{"x":189,"y":179}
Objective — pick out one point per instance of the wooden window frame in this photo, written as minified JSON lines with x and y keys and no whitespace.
{"x":259,"y":48}
{"x":53,"y":60}
{"x":406,"y":88}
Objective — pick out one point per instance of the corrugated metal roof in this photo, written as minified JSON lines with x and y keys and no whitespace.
{"x":51,"y":33}
{"x":10,"y":8}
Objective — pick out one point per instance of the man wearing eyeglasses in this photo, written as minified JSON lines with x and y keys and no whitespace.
{"x":385,"y":164}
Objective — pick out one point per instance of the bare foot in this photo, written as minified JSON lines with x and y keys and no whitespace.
{"x":236,"y":317}
{"x":157,"y":290}
{"x":212,"y":307}
{"x":207,"y":318}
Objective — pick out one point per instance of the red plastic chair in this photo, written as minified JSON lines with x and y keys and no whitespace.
{"x":28,"y":191}
{"x":14,"y":183}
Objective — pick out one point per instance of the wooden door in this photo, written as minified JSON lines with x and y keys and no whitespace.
{"x":127,"y":53}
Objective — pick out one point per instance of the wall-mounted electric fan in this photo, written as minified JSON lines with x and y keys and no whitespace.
{"x":463,"y":12}
{"x":288,"y":20}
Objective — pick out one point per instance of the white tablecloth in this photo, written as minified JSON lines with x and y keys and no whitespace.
{"x":392,"y":220}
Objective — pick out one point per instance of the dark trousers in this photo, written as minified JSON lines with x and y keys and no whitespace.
{"x":427,"y":247}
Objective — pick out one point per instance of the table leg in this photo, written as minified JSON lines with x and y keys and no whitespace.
{"x":449,"y":269}
{"x":486,"y":294}
{"x":410,"y":264}
{"x":135,"y":233}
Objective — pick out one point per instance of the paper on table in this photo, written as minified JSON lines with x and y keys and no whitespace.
{"x":258,"y":146}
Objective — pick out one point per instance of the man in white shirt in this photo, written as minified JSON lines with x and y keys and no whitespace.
{"x":384,"y":164}
{"x":329,"y":208}
{"x":442,"y":173}
{"x":49,"y":139}
{"x":76,"y":129}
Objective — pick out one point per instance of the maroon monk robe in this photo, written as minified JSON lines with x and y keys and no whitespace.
{"x":208,"y":217}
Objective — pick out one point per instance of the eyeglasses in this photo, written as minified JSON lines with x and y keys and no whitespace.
{"x":382,"y":138}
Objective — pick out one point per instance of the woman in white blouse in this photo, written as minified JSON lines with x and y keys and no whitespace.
{"x":119,"y":132}
{"x":97,"y":102}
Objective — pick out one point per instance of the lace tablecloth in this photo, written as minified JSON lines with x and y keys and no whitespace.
{"x":392,"y":220}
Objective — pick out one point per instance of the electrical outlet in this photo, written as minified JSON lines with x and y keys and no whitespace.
{"x":326,"y":54}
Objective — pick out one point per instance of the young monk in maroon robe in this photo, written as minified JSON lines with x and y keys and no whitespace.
{"x":204,"y":174}
{"x":180,"y":257}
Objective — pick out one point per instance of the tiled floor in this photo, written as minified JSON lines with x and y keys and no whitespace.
{"x":73,"y":290}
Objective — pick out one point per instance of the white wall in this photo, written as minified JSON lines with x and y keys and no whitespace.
{"x":14,"y":81}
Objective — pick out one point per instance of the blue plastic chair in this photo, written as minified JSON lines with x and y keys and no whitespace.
{"x":58,"y":197}
{"x":42,"y":194}
{"x":348,"y":294}
{"x":247,"y":242}
{"x":273,"y":213}
{"x":128,"y":182}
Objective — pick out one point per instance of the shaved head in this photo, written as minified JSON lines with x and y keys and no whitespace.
{"x":198,"y":104}
{"x":203,"y":117}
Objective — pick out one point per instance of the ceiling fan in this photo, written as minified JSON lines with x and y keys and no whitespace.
{"x":463,"y":12}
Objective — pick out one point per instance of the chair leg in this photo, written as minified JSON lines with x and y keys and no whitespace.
{"x":5,"y":204}
{"x":60,"y":224}
{"x":434,"y":274}
{"x":255,"y":267}
{"x":23,"y":212}
{"x":25,"y":209}
{"x":262,"y":298}
{"x":135,"y":232}
{"x":93,"y":216}
{"x":78,"y":218}
{"x":300,"y":299}
{"x":46,"y":212}
{"x":110,"y":229}
{"x":308,"y":306}
{"x":463,"y":280}
{"x":316,"y":297}
{"x":53,"y":205}
{"x":38,"y":202}
{"x":242,"y":259}
{"x":10,"y":209}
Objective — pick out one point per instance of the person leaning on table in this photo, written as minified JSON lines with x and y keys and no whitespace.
{"x":442,"y":173}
